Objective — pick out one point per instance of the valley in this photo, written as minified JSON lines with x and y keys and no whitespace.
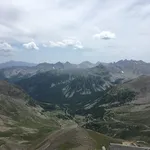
{"x":74,"y":108}
{"x":24,"y":125}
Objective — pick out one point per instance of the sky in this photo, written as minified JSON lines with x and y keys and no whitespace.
{"x":74,"y":30}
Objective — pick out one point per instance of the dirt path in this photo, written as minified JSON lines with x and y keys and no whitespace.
{"x":74,"y":137}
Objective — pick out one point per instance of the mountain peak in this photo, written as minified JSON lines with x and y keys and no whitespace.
{"x":130,"y":61}
{"x":67,"y":62}
{"x":86,"y":62}
{"x":59,"y":63}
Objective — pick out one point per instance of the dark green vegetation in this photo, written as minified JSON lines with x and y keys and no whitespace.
{"x":58,"y":87}
{"x":40,"y":87}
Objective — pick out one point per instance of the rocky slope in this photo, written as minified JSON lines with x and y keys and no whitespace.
{"x":129,"y":69}
{"x":59,"y":86}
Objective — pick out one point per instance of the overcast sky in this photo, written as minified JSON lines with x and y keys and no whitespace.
{"x":74,"y":30}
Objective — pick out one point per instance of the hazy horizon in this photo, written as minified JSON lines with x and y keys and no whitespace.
{"x":70,"y":61}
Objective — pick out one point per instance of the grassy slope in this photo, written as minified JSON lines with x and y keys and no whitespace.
{"x":20,"y":123}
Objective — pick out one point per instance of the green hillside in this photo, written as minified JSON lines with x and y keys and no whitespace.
{"x":21,"y":123}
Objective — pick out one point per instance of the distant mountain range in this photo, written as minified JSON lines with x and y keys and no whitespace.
{"x":121,"y":69}
{"x":58,"y":65}
{"x":71,"y":80}
{"x":62,"y":81}
{"x":15,"y":64}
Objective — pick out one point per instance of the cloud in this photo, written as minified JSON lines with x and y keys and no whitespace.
{"x":73,"y":43}
{"x":30,"y":45}
{"x":42,"y":20}
{"x":56,"y":44}
{"x":105,"y":35}
{"x":5,"y":49}
{"x":78,"y":45}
